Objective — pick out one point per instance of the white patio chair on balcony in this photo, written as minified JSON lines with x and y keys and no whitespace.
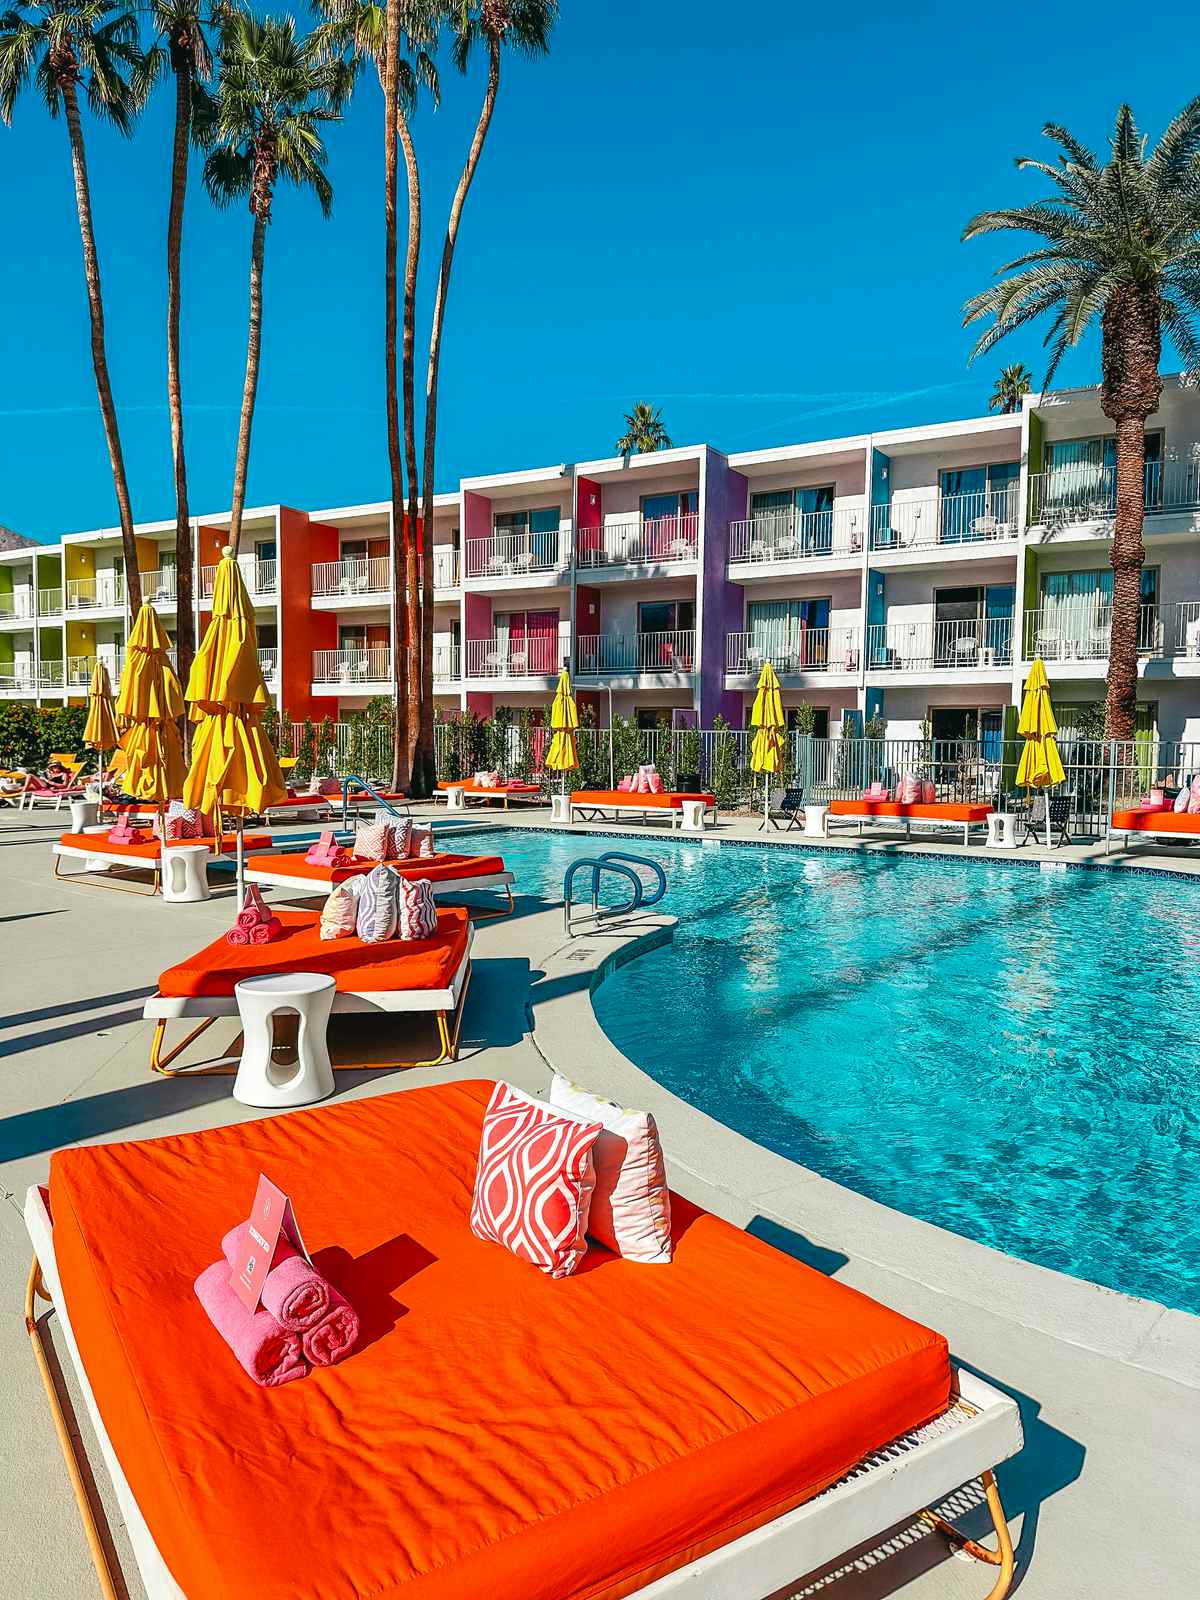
{"x":965,"y":649}
{"x":1192,"y":638}
{"x":493,"y":663}
{"x":524,"y":562}
{"x":761,"y":550}
{"x":985,"y":527}
{"x":786,"y":545}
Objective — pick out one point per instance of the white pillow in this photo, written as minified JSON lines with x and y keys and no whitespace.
{"x":631,"y":1204}
{"x":1182,"y":798}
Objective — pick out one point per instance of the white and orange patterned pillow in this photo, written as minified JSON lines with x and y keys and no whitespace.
{"x":534,"y":1181}
{"x":179,"y":822}
{"x":400,"y":845}
{"x":631,"y":1204}
{"x":372,"y":840}
{"x":416,"y":909}
{"x":339,"y":914}
{"x":420,"y":844}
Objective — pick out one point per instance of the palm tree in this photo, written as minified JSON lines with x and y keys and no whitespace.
{"x":181,"y":45}
{"x":1121,"y":248}
{"x":63,"y":44}
{"x":274,"y":94}
{"x":644,"y":433}
{"x":524,"y":26}
{"x":1013,"y":384}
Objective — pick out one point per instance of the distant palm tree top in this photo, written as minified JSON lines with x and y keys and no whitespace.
{"x":1013,"y":384}
{"x":644,"y":433}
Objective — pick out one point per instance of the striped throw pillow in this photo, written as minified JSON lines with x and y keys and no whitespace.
{"x":372,"y":840}
{"x":339,"y":914}
{"x":416,"y":910}
{"x":401,"y":840}
{"x":377,"y":907}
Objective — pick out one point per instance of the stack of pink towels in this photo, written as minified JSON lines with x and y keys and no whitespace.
{"x":254,"y":924}
{"x":327,"y":852}
{"x":122,"y":832}
{"x":301,"y":1323}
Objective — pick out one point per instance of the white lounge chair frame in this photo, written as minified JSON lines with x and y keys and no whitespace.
{"x":894,"y":824}
{"x":441,"y":887}
{"x":596,"y":812}
{"x":887,"y":1489}
{"x":96,"y":864}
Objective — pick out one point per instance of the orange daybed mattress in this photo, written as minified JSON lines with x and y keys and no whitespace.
{"x":505,"y":788}
{"x":390,"y":964}
{"x":149,"y":851}
{"x":437,"y":868}
{"x":497,"y":1433}
{"x":1138,"y":820}
{"x":934,"y":811}
{"x":647,"y":802}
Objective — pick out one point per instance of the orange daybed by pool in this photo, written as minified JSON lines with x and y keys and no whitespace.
{"x":1154,"y":824}
{"x":594,"y":804}
{"x":90,"y":856}
{"x":99,"y":844}
{"x":468,"y":789}
{"x":496,"y":1433}
{"x":947,"y":813}
{"x":449,"y":873}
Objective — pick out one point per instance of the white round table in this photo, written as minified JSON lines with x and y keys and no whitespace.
{"x":84,"y":814}
{"x":267,"y":1075}
{"x":1001,"y":830}
{"x":185,"y":872}
{"x":815,"y":825}
{"x":692,"y":816}
{"x":560,"y":808}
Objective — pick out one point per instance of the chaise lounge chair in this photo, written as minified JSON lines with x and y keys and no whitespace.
{"x":94,"y":856}
{"x":1152,"y":825}
{"x":594,"y":805}
{"x":470,"y":790}
{"x":448,"y":873}
{"x":481,"y":1440}
{"x":930,"y":814}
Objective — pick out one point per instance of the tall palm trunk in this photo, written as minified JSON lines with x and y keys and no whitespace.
{"x":241,"y":461}
{"x":425,"y":750}
{"x":399,"y":543}
{"x":185,"y":625}
{"x":1129,"y":395}
{"x":419,"y":606}
{"x":91,"y":272}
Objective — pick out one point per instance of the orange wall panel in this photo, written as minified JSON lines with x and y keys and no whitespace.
{"x":301,"y":629}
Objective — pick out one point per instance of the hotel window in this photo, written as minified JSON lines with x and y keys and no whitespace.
{"x":978,"y":502}
{"x":1077,"y":610}
{"x":797,"y":517}
{"x":527,"y":639}
{"x":530,"y":537}
{"x":969,"y":621}
{"x":675,"y":504}
{"x":1081,"y":474}
{"x":666,"y":616}
{"x":791,"y":634}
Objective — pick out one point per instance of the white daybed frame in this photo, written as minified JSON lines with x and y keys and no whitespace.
{"x":466,"y":792}
{"x":440,"y":886}
{"x":893,"y":824}
{"x":446,"y":1005}
{"x":96,"y":863}
{"x":885,"y":1490}
{"x":596,"y":811}
{"x":1147,"y":836}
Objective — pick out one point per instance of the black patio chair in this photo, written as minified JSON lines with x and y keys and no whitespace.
{"x":687,"y":783}
{"x":789,"y":813}
{"x":1034,"y":819}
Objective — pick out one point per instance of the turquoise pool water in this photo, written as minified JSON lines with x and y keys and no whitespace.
{"x":1009,"y":1053}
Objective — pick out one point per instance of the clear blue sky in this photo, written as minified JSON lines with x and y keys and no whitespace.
{"x":750,"y":218}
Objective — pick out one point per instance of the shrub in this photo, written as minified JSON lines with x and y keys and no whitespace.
{"x":726,"y":780}
{"x":627,"y":746}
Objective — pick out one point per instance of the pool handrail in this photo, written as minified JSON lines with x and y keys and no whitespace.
{"x":622,"y":863}
{"x":352,"y":779}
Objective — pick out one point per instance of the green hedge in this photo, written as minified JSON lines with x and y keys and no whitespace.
{"x":28,"y":734}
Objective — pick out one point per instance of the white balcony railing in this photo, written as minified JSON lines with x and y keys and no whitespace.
{"x":50,"y":602}
{"x":1185,"y":633}
{"x":106,"y":591}
{"x":445,"y":567}
{"x":1082,"y":632}
{"x":836,"y":649}
{"x":79,"y":671}
{"x":348,"y":668}
{"x":515,"y":555}
{"x":1085,"y":491}
{"x":536,"y":657}
{"x":260,"y":577}
{"x":16,"y":605}
{"x":634,"y":541}
{"x":50,"y":675}
{"x":358,"y":575}
{"x":673,"y":652}
{"x":268,"y":660}
{"x":942,"y":646}
{"x":447,"y":663}
{"x":19,"y":677}
{"x":987,"y":516}
{"x":791,"y":535}
{"x":159,"y":586}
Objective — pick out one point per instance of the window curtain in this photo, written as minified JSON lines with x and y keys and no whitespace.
{"x":963,"y":497}
{"x":782,"y":631}
{"x":815,"y":519}
{"x":543,"y":536}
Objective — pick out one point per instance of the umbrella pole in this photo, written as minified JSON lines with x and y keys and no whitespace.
{"x":241,"y":862}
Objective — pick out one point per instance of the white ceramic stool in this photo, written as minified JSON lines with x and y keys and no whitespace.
{"x":185,"y":872}
{"x":560,"y":808}
{"x":455,"y":800}
{"x":815,"y":824}
{"x":261,"y":1080}
{"x":691,"y":816}
{"x":1002,"y":830}
{"x":84,"y":814}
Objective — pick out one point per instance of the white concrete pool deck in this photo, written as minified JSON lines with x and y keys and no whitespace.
{"x":1102,"y":1499}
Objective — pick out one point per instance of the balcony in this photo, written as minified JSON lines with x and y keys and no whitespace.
{"x":352,"y":579}
{"x":792,"y":535}
{"x":158,"y":586}
{"x":636,"y":542}
{"x":268,"y":660}
{"x":836,"y":649}
{"x":354,"y":669}
{"x":50,"y":676}
{"x":17,"y":606}
{"x":974,"y":646}
{"x":951,"y":522}
{"x":260,"y":577}
{"x":79,"y":669}
{"x":669,"y":653}
{"x":1082,"y":493}
{"x":104,"y":592}
{"x":445,"y":567}
{"x":447,"y":663}
{"x":537,"y":657}
{"x":517,"y":555}
{"x":1082,"y":633}
{"x":50,"y":602}
{"x":18,"y":678}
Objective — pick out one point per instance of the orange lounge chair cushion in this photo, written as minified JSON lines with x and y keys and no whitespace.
{"x":482,"y":1440}
{"x":472,"y":787}
{"x":438,"y":868}
{"x":357,"y":968}
{"x":149,"y":851}
{"x":933,"y":811}
{"x":642,"y":802}
{"x":1146,"y":821}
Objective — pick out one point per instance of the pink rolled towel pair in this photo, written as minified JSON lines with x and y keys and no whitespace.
{"x":265,"y":1352}
{"x":303,"y":1302}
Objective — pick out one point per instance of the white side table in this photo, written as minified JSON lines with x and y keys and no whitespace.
{"x":816,"y":825}
{"x":560,"y":808}
{"x":691,"y":816}
{"x":185,"y":872}
{"x":84,"y":814}
{"x":455,"y":799}
{"x":262,"y":1078}
{"x":1002,"y":831}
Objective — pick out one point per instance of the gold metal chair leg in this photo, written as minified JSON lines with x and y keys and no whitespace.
{"x":69,"y":1441}
{"x":1001,"y":1556}
{"x":162,"y":1063}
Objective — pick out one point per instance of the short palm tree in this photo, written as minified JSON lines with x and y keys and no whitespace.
{"x":644,"y":433}
{"x":1121,"y":247}
{"x":180,"y":45}
{"x":275,"y":92}
{"x":65,"y":45}
{"x":1013,"y":384}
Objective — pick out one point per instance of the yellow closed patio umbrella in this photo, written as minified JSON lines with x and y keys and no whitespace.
{"x":149,"y":705}
{"x":1041,"y":765}
{"x":563,"y":754}
{"x":234,"y":769}
{"x":767,"y":720}
{"x":100,"y":729}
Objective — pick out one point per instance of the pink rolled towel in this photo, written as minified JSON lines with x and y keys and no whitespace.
{"x":264,"y":1351}
{"x":333,"y":1338}
{"x":237,"y":936}
{"x":294,"y":1293}
{"x":264,"y":932}
{"x":247,"y":918}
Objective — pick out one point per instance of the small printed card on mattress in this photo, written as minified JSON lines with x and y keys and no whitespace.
{"x":270,"y":1216}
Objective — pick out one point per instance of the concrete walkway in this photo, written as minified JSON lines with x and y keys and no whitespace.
{"x":1102,"y":1499}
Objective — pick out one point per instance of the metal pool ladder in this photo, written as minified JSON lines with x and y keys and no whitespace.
{"x":353,"y":780}
{"x":622,"y":865}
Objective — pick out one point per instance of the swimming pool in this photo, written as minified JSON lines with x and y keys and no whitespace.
{"x":1009,"y":1053}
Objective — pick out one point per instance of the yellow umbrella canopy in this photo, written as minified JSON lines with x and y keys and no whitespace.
{"x":766,"y":718}
{"x":149,"y":705}
{"x":234,"y":768}
{"x":1040,"y":765}
{"x":563,"y":756}
{"x":100,"y":729}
